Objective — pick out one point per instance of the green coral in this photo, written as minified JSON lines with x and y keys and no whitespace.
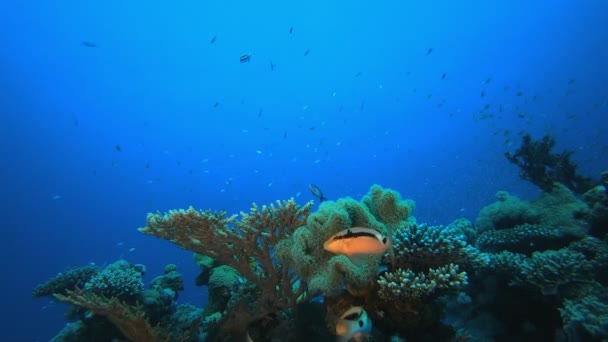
{"x":325,"y":272}
{"x":420,"y":247}
{"x":589,"y":314}
{"x":525,"y":238}
{"x":509,"y":211}
{"x":550,"y":271}
{"x":388,"y":206}
{"x":118,"y":280}
{"x":407,"y":285}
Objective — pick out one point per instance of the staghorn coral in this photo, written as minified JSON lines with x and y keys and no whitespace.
{"x":64,"y":281}
{"x":236,"y":243}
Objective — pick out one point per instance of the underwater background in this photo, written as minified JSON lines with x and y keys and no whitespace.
{"x":114,"y":109}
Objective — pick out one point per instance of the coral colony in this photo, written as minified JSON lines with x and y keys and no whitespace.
{"x":365,"y":269}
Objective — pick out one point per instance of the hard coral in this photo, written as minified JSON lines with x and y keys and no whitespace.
{"x":118,"y":280}
{"x":65,"y":281}
{"x":239,"y":244}
{"x":543,"y":167}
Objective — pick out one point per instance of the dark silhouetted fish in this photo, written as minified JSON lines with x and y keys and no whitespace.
{"x":306,"y":52}
{"x":317,"y":192}
{"x":212,"y":39}
{"x":291,"y":30}
{"x":272,"y":66}
{"x":429,"y":51}
{"x":88,"y":43}
{"x":245,"y":58}
{"x":443,"y":76}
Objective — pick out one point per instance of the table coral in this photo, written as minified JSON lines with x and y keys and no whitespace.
{"x":236,"y":243}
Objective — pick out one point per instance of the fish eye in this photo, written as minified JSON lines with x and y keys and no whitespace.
{"x":384,"y":241}
{"x":361,"y":324}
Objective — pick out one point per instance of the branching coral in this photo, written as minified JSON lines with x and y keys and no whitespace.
{"x":543,"y":167}
{"x":420,"y":247}
{"x":64,"y":281}
{"x":551,"y":270}
{"x":406,"y":285}
{"x":587,"y":317}
{"x":525,"y":238}
{"x":246,"y":245}
{"x":131,"y":320}
{"x":119,"y":279}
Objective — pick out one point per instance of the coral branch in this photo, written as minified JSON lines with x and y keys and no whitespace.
{"x":131,"y":320}
{"x":247,"y":245}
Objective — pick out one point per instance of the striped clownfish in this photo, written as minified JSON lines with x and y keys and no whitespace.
{"x":353,"y":325}
{"x":357,"y":241}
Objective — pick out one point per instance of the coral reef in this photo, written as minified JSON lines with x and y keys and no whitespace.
{"x":527,"y":270}
{"x":325,"y":273}
{"x":544,"y":168}
{"x":118,"y":280}
{"x":247,"y":245}
{"x":70,"y":280}
{"x":551,"y":221}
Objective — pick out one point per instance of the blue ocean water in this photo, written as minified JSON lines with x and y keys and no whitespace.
{"x":110,"y":110}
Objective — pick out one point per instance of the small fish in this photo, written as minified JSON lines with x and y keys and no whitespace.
{"x":117,"y":148}
{"x":483,"y":93}
{"x":291,"y":30}
{"x":306,"y":52}
{"x":429,"y":51}
{"x":212,"y":39}
{"x":354,"y":325}
{"x":245,"y":58}
{"x":317,"y":192}
{"x":272,"y":66}
{"x":88,"y":43}
{"x":357,"y":241}
{"x":216,"y":104}
{"x":443,"y":76}
{"x":56,"y":197}
{"x":488,"y":80}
